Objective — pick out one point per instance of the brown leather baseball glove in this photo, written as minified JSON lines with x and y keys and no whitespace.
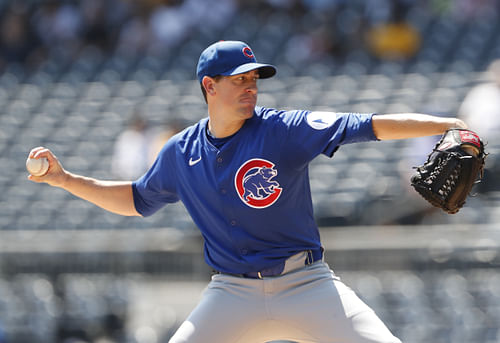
{"x":455,"y":164}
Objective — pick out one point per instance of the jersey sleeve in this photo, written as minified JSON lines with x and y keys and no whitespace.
{"x":314,"y":133}
{"x":157,"y":187}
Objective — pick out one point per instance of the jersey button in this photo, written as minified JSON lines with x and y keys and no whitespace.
{"x":244,"y":251}
{"x":223,"y":191}
{"x":233,"y":222}
{"x":219,"y":159}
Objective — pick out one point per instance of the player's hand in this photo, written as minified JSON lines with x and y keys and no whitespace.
{"x":460,"y":124}
{"x":56,"y":175}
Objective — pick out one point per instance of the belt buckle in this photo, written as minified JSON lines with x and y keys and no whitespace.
{"x":273,"y":271}
{"x":310,"y":257}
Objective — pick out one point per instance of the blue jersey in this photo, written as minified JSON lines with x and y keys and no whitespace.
{"x":251,"y":198}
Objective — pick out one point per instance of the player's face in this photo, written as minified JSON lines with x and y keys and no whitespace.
{"x":238,"y":93}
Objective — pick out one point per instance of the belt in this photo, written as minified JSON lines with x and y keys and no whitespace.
{"x":292,"y":263}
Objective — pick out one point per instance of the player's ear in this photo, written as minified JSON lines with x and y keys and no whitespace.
{"x":209,"y":84}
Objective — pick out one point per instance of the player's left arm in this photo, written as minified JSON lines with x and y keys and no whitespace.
{"x":411,"y":125}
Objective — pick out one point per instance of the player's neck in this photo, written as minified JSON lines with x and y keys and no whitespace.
{"x":220,"y":129}
{"x":225,"y":122}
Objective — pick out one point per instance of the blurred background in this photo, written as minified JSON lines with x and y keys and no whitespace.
{"x":104,"y":83}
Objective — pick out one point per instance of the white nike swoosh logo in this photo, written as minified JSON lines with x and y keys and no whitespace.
{"x":193,"y":162}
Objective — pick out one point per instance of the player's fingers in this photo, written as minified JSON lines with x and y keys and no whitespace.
{"x":461,"y":124}
{"x":37,"y":179}
{"x":34,"y":151}
{"x":44,"y":152}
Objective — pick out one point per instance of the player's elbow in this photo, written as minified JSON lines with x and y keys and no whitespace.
{"x":134,"y":213}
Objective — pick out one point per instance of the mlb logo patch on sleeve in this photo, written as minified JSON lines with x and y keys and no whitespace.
{"x":321,"y":120}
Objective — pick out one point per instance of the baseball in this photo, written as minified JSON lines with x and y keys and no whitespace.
{"x":37,"y":167}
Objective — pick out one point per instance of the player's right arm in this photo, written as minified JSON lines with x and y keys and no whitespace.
{"x":113,"y":196}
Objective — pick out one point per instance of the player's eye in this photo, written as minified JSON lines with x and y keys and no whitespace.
{"x":247,"y":78}
{"x":239,"y":79}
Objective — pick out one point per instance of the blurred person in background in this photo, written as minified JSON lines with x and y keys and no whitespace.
{"x":59,"y":27}
{"x":131,"y":151}
{"x":242,"y":174}
{"x":103,"y":20}
{"x":172,"y":21}
{"x":161,"y":135}
{"x":394,"y":39}
{"x":18,"y":43}
{"x":481,"y":108}
{"x":135,"y":36}
{"x":137,"y":146}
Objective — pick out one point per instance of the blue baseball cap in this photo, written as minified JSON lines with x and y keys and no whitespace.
{"x":230,"y":58}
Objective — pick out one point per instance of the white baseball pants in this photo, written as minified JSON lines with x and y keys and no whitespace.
{"x":305,"y":304}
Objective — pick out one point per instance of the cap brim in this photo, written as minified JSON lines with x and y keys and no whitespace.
{"x":265,"y":70}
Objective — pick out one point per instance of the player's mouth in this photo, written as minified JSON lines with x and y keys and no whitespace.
{"x":248,"y":99}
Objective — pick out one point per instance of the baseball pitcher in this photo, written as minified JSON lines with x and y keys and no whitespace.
{"x":242,"y":174}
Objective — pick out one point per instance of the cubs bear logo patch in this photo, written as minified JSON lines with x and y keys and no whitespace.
{"x":255,"y":184}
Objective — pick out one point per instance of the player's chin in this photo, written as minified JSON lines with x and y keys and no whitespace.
{"x":247,"y":110}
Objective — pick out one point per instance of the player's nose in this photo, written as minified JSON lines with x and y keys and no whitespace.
{"x":252,"y":87}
